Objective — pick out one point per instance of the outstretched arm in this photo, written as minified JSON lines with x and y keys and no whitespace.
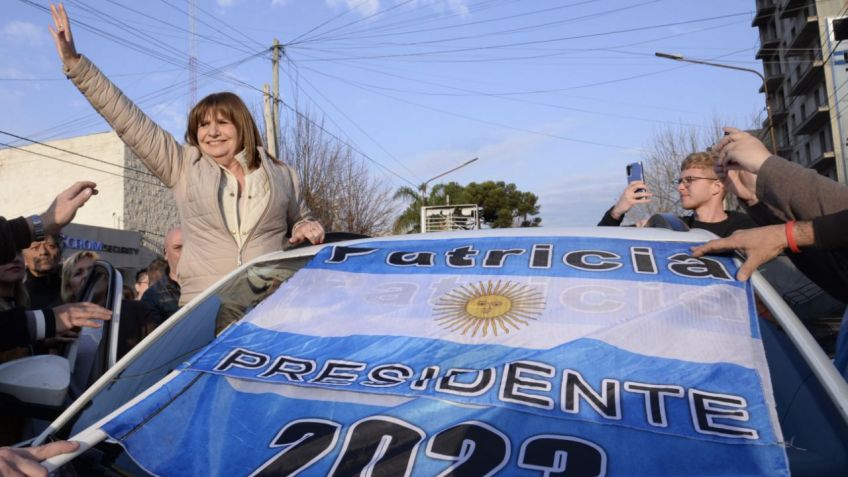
{"x":62,"y":36}
{"x":154,"y":146}
{"x":64,"y":207}
{"x":759,"y":245}
{"x":740,"y":149}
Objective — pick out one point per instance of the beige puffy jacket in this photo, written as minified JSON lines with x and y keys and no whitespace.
{"x":209,"y":250}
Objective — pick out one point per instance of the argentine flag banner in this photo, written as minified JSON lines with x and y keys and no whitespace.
{"x":516,"y":356}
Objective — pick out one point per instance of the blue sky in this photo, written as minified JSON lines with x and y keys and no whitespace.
{"x":556,"y":96}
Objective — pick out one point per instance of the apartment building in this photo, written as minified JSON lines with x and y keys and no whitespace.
{"x":805,"y":78}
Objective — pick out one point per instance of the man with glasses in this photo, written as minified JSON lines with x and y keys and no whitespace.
{"x":701,"y":191}
{"x":43,"y":261}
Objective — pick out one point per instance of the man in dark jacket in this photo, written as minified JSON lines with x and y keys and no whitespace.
{"x":163,"y":297}
{"x":44,"y":272}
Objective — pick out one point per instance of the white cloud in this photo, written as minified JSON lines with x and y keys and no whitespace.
{"x":494,"y":157}
{"x":24,"y":32}
{"x":370,"y":7}
{"x":171,"y":116}
{"x":363,"y":7}
{"x":456,"y":6}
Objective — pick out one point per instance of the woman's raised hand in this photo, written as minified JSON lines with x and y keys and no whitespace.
{"x":61,"y":32}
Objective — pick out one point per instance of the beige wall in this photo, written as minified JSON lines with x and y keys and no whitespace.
{"x":29,"y":182}
{"x":149,"y":206}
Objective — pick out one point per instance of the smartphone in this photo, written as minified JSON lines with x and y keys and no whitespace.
{"x":635,"y":172}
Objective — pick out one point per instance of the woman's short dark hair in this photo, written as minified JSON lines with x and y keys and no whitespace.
{"x":231,"y":107}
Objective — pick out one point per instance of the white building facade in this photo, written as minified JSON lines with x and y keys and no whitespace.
{"x":130,"y":198}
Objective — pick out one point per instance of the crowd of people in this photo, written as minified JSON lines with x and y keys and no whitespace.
{"x":237,"y":202}
{"x":788,"y":208}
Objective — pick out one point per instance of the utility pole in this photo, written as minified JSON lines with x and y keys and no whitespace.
{"x":422,"y":189}
{"x":272,"y":103}
{"x":275,"y":110}
{"x":270,"y":131}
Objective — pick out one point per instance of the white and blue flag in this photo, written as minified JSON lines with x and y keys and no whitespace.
{"x":493,"y":356}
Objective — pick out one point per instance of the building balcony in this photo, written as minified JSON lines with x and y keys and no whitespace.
{"x":768,"y":47}
{"x":824,"y":162}
{"x":814,"y":120}
{"x":765,"y":10}
{"x":779,"y":113}
{"x":807,"y":80}
{"x":809,"y":31}
{"x":772,"y":82}
{"x":792,"y":7}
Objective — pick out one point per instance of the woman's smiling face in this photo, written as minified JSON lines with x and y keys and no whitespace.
{"x":218,"y":137}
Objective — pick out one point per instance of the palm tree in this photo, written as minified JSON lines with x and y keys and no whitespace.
{"x":410,"y":220}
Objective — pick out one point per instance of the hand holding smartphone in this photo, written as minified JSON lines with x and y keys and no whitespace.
{"x":635,"y":172}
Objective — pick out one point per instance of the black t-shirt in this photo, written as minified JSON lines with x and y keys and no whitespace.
{"x":734,"y":221}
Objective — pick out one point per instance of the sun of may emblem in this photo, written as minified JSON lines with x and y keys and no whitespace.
{"x":486,"y":307}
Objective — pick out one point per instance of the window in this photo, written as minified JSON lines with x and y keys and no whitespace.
{"x":227,"y":305}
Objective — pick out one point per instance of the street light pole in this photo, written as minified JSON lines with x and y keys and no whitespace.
{"x":677,"y":57}
{"x":422,"y":189}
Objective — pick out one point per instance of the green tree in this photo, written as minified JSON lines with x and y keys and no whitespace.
{"x":501,"y":204}
{"x":409,"y":221}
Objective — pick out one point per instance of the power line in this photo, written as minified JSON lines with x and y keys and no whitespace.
{"x":421,"y":19}
{"x":217,"y":30}
{"x":553,"y":53}
{"x":463,"y":25}
{"x":94,"y":117}
{"x":80,"y":165}
{"x":179,"y":60}
{"x":127,"y":168}
{"x":542,"y":41}
{"x":116,"y":75}
{"x":505,"y":97}
{"x":524,"y":28}
{"x":363,"y":154}
{"x":154,"y":53}
{"x":367,"y":17}
{"x":211,"y":39}
{"x":493,"y":123}
{"x":351,"y":121}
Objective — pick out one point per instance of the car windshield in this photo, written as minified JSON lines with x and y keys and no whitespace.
{"x":811,"y":424}
{"x":188,"y":333}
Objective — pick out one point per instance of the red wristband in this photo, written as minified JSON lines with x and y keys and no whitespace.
{"x":790,"y":237}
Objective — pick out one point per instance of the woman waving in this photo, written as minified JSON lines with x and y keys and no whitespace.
{"x":235,"y":201}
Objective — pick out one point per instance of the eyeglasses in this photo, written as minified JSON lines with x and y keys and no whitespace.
{"x":690,"y":179}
